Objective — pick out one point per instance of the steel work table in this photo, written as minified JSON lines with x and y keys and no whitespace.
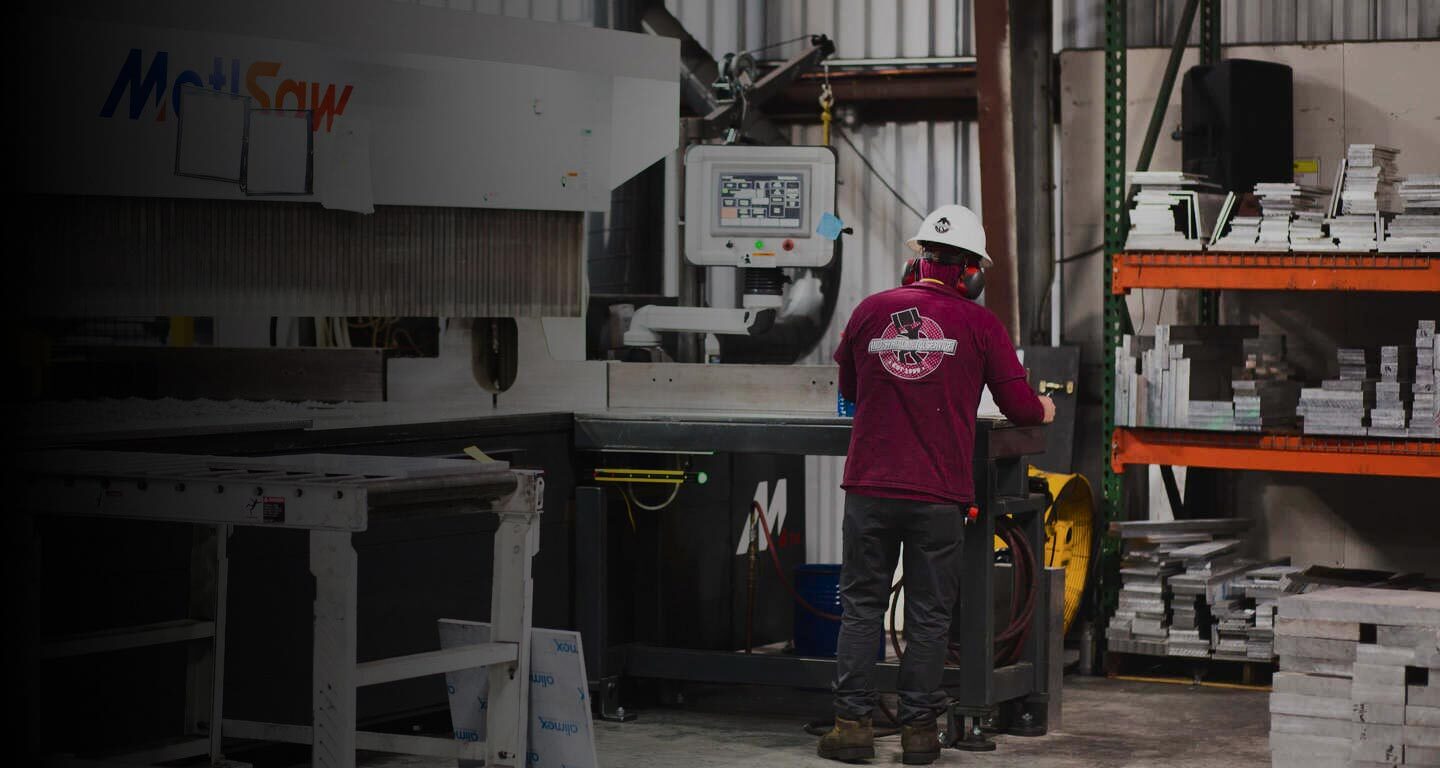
{"x":332,"y":497}
{"x":1002,"y":488}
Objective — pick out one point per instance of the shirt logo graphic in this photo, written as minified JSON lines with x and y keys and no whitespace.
{"x":912,"y":346}
{"x":943,"y":225}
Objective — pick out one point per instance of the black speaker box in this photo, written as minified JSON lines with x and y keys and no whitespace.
{"x":1237,"y":121}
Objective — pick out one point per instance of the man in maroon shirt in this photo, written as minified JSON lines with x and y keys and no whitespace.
{"x":914,"y":360}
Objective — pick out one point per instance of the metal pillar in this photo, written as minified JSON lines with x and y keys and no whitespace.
{"x":997,"y":160}
{"x":1030,"y":76}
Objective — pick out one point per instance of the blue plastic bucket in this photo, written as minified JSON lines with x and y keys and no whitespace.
{"x":819,"y":585}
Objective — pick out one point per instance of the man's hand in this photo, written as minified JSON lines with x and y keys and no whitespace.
{"x":1049,"y":406}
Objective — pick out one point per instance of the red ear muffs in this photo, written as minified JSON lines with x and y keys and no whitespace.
{"x":911,"y":272}
{"x":972,"y":282}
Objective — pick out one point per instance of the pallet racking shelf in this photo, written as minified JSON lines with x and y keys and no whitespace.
{"x":1212,"y":272}
{"x":1275,"y":271}
{"x":1282,"y":452}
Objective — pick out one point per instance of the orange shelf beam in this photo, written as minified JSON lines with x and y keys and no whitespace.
{"x":1288,"y":271}
{"x":1276,"y":452}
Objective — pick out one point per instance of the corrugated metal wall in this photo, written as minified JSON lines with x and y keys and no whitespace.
{"x":937,"y":163}
{"x":125,"y":256}
{"x":565,"y":11}
{"x":872,"y":28}
{"x":1152,"y":22}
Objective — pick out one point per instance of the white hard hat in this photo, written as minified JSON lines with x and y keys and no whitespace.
{"x":955,"y":226}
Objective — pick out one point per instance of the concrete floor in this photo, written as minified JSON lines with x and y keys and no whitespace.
{"x":1106,"y":723}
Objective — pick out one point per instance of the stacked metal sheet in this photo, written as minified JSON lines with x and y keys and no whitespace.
{"x":1173,"y":211}
{"x":1189,"y":608}
{"x":1280,"y":203}
{"x":1370,"y":176}
{"x":1391,"y":415}
{"x":1340,"y":406}
{"x":1211,"y":415}
{"x":1418,"y":229}
{"x":1425,"y":401}
{"x":1176,"y":379}
{"x":1242,"y":236}
{"x":1157,"y":553}
{"x":1307,"y":232}
{"x":1360,"y":679}
{"x":1141,"y":620}
{"x":1354,"y":233}
{"x":1266,"y":393}
{"x":1263,"y":587}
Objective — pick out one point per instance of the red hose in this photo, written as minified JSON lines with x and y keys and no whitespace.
{"x":780,"y":570}
{"x":1009,"y":642}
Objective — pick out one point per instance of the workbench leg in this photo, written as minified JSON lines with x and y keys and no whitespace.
{"x":333,"y":564}
{"x":517,"y":540}
{"x":973,"y":625}
{"x":592,"y":607}
{"x":205,"y":670}
{"x":1030,"y":712}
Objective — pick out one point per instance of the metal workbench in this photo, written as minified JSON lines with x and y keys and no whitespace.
{"x":976,"y":686}
{"x":332,"y":497}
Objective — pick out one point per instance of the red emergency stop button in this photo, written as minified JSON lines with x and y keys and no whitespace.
{"x":972,"y":514}
{"x":788,"y":245}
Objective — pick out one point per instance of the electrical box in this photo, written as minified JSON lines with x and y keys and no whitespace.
{"x":758,"y":207}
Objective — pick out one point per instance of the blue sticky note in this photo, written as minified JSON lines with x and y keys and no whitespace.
{"x":830,"y":226}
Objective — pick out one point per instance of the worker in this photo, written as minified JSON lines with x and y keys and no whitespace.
{"x":914,"y":359}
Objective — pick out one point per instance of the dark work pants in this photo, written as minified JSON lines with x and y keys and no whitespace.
{"x":873,"y":531}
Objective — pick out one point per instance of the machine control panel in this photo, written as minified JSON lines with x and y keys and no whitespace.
{"x":767,"y":200}
{"x":752,"y":206}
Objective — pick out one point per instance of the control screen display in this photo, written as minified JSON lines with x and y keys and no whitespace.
{"x":761,"y":200}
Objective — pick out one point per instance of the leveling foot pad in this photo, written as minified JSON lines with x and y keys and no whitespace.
{"x":982,"y":743}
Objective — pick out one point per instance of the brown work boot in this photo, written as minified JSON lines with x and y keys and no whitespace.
{"x":848,"y":741}
{"x":920,"y":742}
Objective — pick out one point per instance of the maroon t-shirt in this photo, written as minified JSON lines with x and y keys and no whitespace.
{"x":914,"y":360}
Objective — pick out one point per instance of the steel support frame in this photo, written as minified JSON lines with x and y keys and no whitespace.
{"x":335,"y":672}
{"x":1115,"y":315}
{"x":203,"y":634}
{"x":1209,"y":54}
{"x":977,"y":686}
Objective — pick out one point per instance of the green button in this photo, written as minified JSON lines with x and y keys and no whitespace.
{"x":702,"y":478}
{"x":759,"y":245}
